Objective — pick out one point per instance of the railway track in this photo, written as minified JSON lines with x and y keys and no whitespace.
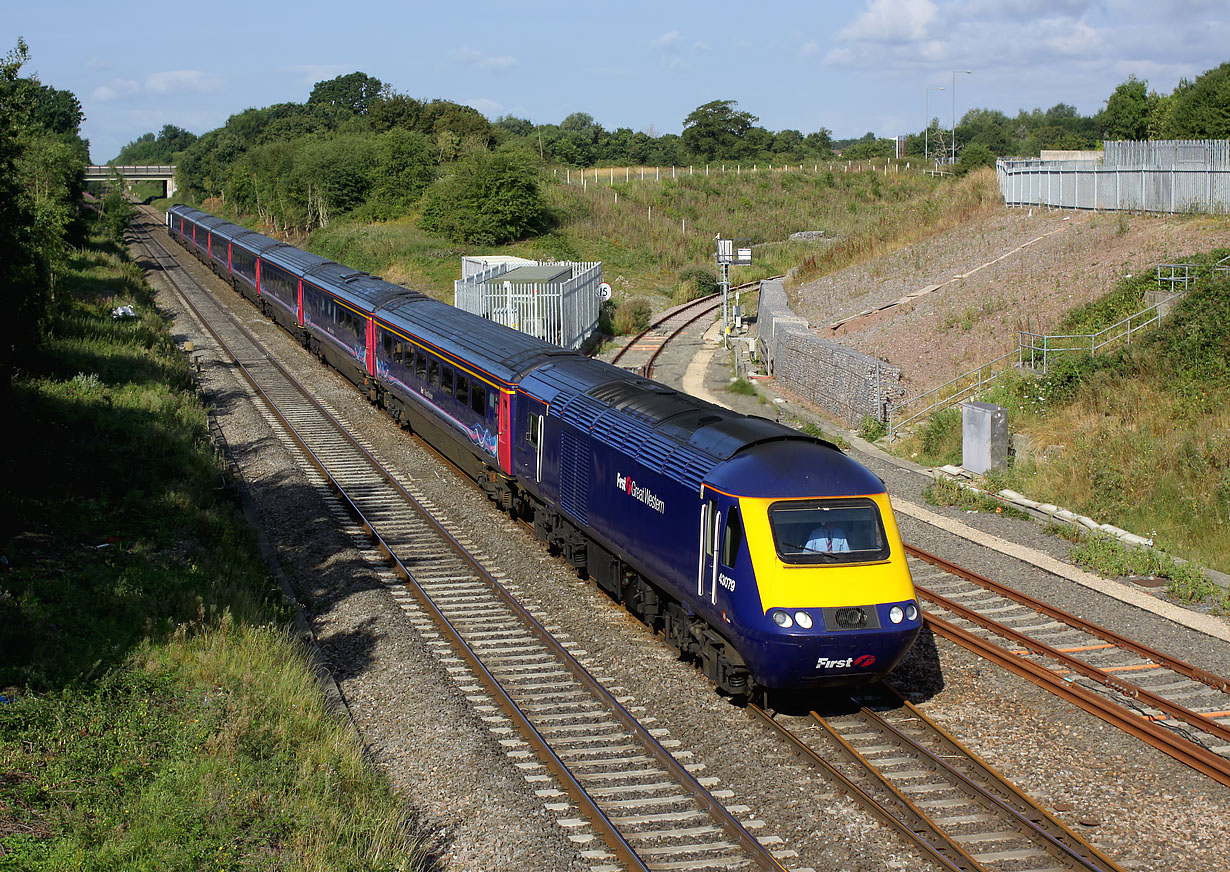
{"x":904,"y":768}
{"x":615,"y":778}
{"x":1174,"y":706}
{"x":642,"y":351}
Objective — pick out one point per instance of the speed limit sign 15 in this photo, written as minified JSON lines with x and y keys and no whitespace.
{"x":604,"y":291}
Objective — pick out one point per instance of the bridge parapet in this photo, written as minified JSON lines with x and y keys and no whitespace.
{"x":131,"y":173}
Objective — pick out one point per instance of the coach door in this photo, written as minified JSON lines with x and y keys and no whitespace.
{"x":706,"y":565}
{"x":530,"y":440}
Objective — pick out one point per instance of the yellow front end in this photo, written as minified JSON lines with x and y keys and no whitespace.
{"x":794,"y":586}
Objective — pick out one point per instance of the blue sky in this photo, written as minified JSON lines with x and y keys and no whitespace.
{"x":852,"y":67}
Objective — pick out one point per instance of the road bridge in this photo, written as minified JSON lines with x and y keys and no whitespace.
{"x":165,"y":173}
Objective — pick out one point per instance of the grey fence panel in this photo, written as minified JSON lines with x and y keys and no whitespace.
{"x":565,"y":313}
{"x":1171,"y":176}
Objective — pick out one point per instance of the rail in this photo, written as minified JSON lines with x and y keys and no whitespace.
{"x":374,"y":500}
{"x":1030,"y":655}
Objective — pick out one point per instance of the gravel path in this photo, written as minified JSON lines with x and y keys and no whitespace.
{"x":423,"y":730}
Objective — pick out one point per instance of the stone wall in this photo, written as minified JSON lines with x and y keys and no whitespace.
{"x":845,"y":383}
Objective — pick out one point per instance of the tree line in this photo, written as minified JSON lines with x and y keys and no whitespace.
{"x":42,"y":169}
{"x":360,"y":148}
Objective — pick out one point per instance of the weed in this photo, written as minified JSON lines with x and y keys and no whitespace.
{"x":1109,"y":557}
{"x":1071,"y":532}
{"x":632,"y":316}
{"x":947,"y":492}
{"x":161,"y":719}
{"x":743,"y":387}
{"x":872,"y":429}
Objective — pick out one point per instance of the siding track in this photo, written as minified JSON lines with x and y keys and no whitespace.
{"x":1173,"y":705}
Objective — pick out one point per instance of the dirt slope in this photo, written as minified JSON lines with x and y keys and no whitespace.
{"x":1013,"y":272}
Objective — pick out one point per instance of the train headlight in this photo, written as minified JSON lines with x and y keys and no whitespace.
{"x":803,"y":620}
{"x":896,"y":614}
{"x":782,"y":620}
{"x":911,"y":612}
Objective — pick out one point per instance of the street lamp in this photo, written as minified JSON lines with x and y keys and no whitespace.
{"x":927,"y":126}
{"x":954,"y":110}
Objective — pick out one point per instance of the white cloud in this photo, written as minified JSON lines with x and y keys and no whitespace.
{"x":116,"y":89}
{"x":489,"y":108}
{"x":668,"y":41}
{"x":891,"y":21}
{"x":473,"y":57}
{"x":182,"y":82}
{"x":809,"y":48}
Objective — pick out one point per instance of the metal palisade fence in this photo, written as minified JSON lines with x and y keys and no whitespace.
{"x":1158,"y":176}
{"x":564,"y":313}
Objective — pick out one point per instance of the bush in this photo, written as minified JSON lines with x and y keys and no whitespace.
{"x":490,"y":199}
{"x":632,"y":316}
{"x":694,"y":283}
{"x":941,"y":438}
{"x":872,"y":428}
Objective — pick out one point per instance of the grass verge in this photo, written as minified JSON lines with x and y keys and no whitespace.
{"x":946,"y":492}
{"x":154,"y":714}
{"x":1138,"y":438}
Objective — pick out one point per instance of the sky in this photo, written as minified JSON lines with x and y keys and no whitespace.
{"x":853,"y":67}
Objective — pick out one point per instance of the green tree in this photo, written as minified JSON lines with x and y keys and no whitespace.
{"x":1200,"y":109}
{"x":406,"y":168}
{"x":391,"y":111}
{"x":489,"y":198}
{"x":160,"y":149}
{"x":973,"y":156}
{"x":716,"y":129}
{"x":42,"y":163}
{"x":1127,"y":111}
{"x":354,"y":91}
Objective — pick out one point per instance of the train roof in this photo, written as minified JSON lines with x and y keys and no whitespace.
{"x":368,"y":292}
{"x":663,"y":428}
{"x":295,"y":260}
{"x":504,"y":353}
{"x":789,"y":469}
{"x":254,"y":241}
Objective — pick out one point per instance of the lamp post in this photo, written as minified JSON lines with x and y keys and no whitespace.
{"x":954,"y":110}
{"x":927,"y":126}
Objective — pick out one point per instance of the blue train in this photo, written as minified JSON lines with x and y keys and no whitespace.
{"x":769,"y":557}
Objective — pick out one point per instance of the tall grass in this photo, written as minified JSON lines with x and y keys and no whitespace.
{"x":1139,"y":438}
{"x":647,"y":233}
{"x":153,"y":716}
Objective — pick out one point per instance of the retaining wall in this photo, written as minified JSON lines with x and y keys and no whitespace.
{"x":845,"y":383}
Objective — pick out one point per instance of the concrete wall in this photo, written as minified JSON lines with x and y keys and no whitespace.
{"x":845,"y":383}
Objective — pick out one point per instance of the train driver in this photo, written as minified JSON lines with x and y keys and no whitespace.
{"x":827,"y":538}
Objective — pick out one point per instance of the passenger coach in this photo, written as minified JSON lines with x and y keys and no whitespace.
{"x":701,"y":521}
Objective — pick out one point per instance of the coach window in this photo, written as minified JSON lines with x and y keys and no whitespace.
{"x":388,"y":346}
{"x":463,"y":389}
{"x":531,"y":431}
{"x":732,"y":538}
{"x":420,"y":365}
{"x":446,"y":379}
{"x":478,"y":400}
{"x":433,"y":373}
